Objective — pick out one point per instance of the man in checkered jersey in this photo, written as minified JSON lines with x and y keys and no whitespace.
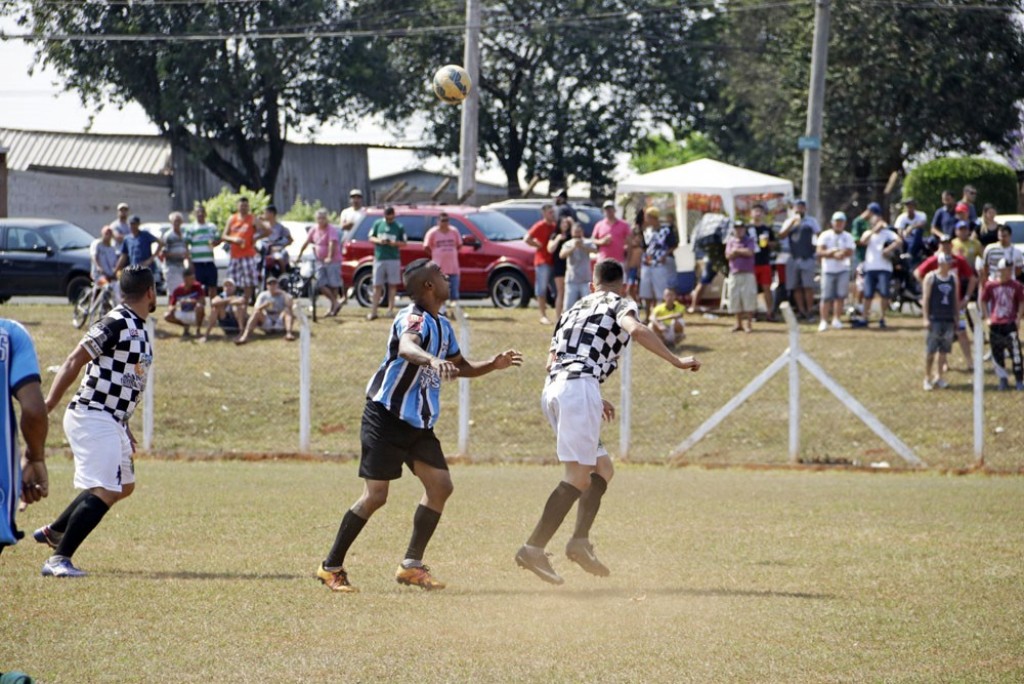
{"x":584,"y":351}
{"x":116,"y":353}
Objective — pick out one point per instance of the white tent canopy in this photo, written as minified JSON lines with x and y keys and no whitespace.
{"x":708,"y":177}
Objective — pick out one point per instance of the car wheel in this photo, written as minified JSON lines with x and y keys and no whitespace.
{"x":510,"y":289}
{"x":76,"y":285}
{"x":362,"y":289}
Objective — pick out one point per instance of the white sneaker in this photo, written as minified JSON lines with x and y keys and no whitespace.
{"x":823,"y":326}
{"x":927,"y":386}
{"x":837,"y":324}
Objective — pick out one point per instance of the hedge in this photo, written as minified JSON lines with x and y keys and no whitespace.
{"x":996,"y":184}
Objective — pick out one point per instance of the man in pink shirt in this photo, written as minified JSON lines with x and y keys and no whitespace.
{"x":442,"y":244}
{"x":610,"y":235}
{"x":326,"y":243}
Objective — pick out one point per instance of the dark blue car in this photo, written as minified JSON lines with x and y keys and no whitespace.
{"x":40,"y":257}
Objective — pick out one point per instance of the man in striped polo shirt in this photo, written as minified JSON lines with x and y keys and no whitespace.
{"x":403,"y":403}
{"x":200,"y":239}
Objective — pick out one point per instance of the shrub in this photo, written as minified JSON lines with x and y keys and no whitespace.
{"x":995,"y":183}
{"x":220,"y":207}
{"x":306,"y":211}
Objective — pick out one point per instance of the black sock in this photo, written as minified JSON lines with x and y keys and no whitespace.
{"x":424,"y":522}
{"x":61,"y":523}
{"x":82,"y":521}
{"x":590,"y":504}
{"x":555,"y":510}
{"x":351,"y":526}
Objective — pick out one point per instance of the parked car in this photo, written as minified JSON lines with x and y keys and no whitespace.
{"x":43,"y":257}
{"x":494,"y":260}
{"x":526,"y":212}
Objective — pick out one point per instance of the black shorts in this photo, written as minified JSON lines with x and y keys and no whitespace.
{"x":206,"y":273}
{"x":388,"y":442}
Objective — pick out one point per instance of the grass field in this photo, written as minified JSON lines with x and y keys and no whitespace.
{"x":718,"y":576}
{"x":217,"y":399}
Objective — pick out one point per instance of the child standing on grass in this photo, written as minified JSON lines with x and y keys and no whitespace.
{"x":940,"y":306}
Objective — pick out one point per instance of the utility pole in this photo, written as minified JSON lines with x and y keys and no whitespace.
{"x":811,"y":144}
{"x":471,"y":105}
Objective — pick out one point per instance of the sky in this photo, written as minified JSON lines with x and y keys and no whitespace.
{"x":37,"y":102}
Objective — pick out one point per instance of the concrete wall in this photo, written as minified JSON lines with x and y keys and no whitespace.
{"x":87,"y":202}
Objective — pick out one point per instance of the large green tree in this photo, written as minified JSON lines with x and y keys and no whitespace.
{"x":565,"y":85}
{"x":229,"y":101}
{"x":904,"y":80}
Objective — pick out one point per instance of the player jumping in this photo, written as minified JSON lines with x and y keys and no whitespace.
{"x":585,"y":348}
{"x":403,"y":403}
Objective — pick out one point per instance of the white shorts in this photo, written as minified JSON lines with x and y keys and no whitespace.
{"x":272,"y":322}
{"x":574,"y":408}
{"x":186,"y":317}
{"x":102,"y":450}
{"x":669,"y":333}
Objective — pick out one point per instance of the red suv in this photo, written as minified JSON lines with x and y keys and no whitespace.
{"x":494,"y":261}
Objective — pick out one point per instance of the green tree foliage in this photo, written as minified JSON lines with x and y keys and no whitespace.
{"x":228,"y":102}
{"x":903,"y":80}
{"x":564,"y":84}
{"x":659,"y":152}
{"x":221,"y":206}
{"x":996,"y":184}
{"x":302,"y":210}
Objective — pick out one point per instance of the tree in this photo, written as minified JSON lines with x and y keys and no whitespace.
{"x":565,"y":85}
{"x":903,"y":81}
{"x":659,"y":152}
{"x":229,"y":102}
{"x":996,"y":184}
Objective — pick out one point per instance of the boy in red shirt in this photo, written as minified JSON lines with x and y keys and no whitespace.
{"x":1002,"y":305}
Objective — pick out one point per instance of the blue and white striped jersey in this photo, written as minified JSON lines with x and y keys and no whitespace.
{"x":413,"y":393}
{"x":18,"y":367}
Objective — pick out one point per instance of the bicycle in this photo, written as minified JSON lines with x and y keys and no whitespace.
{"x":302,"y":282}
{"x":94,"y":303}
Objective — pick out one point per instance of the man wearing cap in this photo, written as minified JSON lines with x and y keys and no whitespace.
{"x":881,"y":244}
{"x":801,"y":230}
{"x":186,"y":303}
{"x":562,"y":206}
{"x":739,"y":250}
{"x":944,"y":220}
{"x":276,"y":242}
{"x":610,"y":235}
{"x":911,"y":226}
{"x":966,"y":245}
{"x":351,"y":215}
{"x":120,"y":224}
{"x":835,"y":247}
{"x":940,"y":307}
{"x":1002,"y":305}
{"x":764,"y":235}
{"x":965,"y":274}
{"x":137,"y":247}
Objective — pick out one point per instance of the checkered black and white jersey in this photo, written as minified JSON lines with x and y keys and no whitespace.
{"x":589,"y":337}
{"x":121,"y":356}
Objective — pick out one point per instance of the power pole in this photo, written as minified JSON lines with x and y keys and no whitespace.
{"x":471,"y":105}
{"x":811,"y":144}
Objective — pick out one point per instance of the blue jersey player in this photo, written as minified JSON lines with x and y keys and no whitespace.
{"x":23,"y":477}
{"x":403,"y":403}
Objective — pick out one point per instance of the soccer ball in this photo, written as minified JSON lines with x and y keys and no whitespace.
{"x":451,"y":84}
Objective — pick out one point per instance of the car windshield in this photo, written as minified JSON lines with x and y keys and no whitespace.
{"x":497,"y":227}
{"x":67,"y":236}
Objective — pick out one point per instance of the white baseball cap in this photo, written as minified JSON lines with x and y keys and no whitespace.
{"x":839,"y":216}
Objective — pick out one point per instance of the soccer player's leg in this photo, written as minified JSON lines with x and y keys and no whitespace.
{"x":579,"y":549}
{"x":437,"y":487}
{"x":332,"y":571}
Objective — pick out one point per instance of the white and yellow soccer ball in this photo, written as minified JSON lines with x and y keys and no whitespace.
{"x":451,"y":84}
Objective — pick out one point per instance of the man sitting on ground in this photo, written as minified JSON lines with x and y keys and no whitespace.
{"x":187,"y":303}
{"x":273,"y":313}
{"x":228,"y":310}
